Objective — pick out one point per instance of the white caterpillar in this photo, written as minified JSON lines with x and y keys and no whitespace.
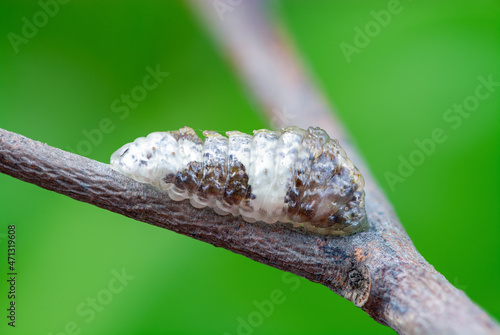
{"x":293,"y":175}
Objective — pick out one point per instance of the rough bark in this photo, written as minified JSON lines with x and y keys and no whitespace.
{"x":378,"y":270}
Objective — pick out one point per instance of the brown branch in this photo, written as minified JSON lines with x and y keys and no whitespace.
{"x":379,"y":270}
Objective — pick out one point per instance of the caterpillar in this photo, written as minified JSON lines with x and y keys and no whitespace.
{"x":292,"y":176}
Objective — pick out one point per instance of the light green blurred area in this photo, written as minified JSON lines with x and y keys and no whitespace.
{"x":396,"y":90}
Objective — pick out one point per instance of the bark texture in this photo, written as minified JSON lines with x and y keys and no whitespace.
{"x":378,"y":270}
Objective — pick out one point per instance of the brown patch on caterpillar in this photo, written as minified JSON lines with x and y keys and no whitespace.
{"x":230,"y":187}
{"x":315,"y":202}
{"x":349,"y":219}
{"x":236,"y":186}
{"x":212,"y":184}
{"x":294,"y":193}
{"x":188,"y":179}
{"x":318,"y":198}
{"x":168,"y":178}
{"x":302,"y":206}
{"x":353,"y":215}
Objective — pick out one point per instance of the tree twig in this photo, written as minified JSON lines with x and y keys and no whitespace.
{"x":378,"y":270}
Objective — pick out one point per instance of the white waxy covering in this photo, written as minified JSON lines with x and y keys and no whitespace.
{"x":293,"y":175}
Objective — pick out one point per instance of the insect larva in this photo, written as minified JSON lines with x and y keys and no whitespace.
{"x":294,"y":176}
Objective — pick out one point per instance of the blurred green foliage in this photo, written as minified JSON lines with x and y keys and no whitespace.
{"x":395,"y":90}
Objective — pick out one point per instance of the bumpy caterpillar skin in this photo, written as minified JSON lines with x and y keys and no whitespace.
{"x":294,"y":176}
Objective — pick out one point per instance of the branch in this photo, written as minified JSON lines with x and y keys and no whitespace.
{"x":379,"y":270}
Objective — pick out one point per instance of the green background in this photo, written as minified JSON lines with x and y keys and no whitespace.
{"x":393,"y":92}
